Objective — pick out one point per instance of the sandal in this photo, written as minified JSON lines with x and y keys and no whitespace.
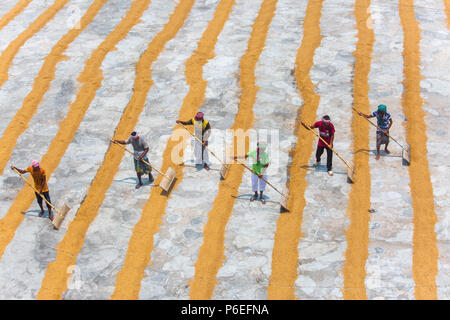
{"x":253,"y":198}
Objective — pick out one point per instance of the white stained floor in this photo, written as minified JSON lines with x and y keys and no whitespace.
{"x":155,"y":123}
{"x":322,"y":248}
{"x":36,"y":237}
{"x":251,"y":228}
{"x":21,"y":22}
{"x":250,"y":231}
{"x":180,"y":236}
{"x":435,"y":91}
{"x":29,"y":59}
{"x":389,"y":264}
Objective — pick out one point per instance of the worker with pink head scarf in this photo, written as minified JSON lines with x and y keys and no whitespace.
{"x":40,"y":184}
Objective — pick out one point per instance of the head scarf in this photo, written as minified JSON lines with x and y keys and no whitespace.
{"x":199,"y":116}
{"x":35,"y":164}
{"x":134,"y":135}
{"x":382,"y":108}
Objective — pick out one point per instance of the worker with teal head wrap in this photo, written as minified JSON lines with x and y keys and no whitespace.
{"x":384,"y":122}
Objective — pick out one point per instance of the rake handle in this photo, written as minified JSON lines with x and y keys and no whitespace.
{"x":147,"y":163}
{"x":360,"y":114}
{"x":326,"y":144}
{"x":35,"y":190}
{"x":209,"y":150}
{"x":248,"y":168}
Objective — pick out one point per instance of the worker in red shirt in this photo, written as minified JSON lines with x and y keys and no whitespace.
{"x":326,"y":131}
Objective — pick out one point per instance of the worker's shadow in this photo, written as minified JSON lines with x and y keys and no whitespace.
{"x":308,"y":168}
{"x":382,"y":153}
{"x":135,"y":181}
{"x":199,"y":167}
{"x":320,"y":168}
{"x":36,"y":215}
{"x":166,"y":193}
{"x":247,"y":196}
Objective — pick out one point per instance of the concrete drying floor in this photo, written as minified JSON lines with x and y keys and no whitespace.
{"x":75,"y":73}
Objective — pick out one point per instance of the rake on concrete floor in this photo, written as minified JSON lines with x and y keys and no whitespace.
{"x":60,"y":215}
{"x":168,"y":177}
{"x":350,"y":170}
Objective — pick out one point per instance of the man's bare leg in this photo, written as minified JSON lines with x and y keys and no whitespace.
{"x":262,"y":197}
{"x":150,"y":177}
{"x":386,"y":149}
{"x":50,"y":214}
{"x":140,"y":181}
{"x":42,"y":209}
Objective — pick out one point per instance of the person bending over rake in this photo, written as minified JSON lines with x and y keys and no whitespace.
{"x":140,"y":148}
{"x":384,"y":122}
{"x":40,"y":184}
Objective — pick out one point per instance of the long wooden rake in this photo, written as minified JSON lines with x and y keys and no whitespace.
{"x":60,"y":214}
{"x":350,"y":170}
{"x":406,"y":150}
{"x":224,"y":168}
{"x":168,"y":177}
{"x":284,"y":196}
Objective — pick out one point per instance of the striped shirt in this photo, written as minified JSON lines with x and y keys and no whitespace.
{"x":382,"y":121}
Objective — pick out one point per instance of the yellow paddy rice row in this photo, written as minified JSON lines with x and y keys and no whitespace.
{"x":288,"y":233}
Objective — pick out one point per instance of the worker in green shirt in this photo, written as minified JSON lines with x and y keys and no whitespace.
{"x":260,"y":163}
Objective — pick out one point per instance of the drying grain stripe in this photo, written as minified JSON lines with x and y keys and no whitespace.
{"x":55,"y":280}
{"x":425,"y":252}
{"x":91,"y":78}
{"x":10,"y":52}
{"x":447,"y":12}
{"x":41,"y":85}
{"x":211,"y":254}
{"x":357,"y":234}
{"x":288,"y":232}
{"x":129,"y":278}
{"x":14,"y":12}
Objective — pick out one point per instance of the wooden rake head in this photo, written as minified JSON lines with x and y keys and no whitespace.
{"x":60,"y":215}
{"x":168,"y":179}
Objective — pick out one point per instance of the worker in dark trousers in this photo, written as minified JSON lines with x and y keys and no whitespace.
{"x":40,"y":184}
{"x":326,"y":131}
